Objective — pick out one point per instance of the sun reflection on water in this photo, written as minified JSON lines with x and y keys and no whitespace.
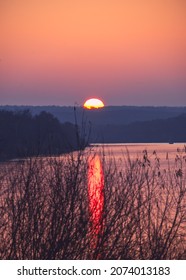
{"x":95,"y":191}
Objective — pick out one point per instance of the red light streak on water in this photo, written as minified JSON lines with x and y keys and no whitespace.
{"x":95,"y":192}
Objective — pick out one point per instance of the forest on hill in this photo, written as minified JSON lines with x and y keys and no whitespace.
{"x":115,"y":115}
{"x":160,"y":131}
{"x":34,"y":132}
{"x":24,"y":135}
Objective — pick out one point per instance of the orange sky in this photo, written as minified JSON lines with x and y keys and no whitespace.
{"x":125,"y":51}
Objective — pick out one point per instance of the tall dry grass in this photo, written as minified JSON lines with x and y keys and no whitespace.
{"x":44,"y":209}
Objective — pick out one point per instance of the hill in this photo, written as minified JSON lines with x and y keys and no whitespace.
{"x":108,"y":115}
{"x":119,"y":123}
{"x":162,"y":130}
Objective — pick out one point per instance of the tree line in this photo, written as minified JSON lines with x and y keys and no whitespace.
{"x":160,"y":130}
{"x":24,"y":135}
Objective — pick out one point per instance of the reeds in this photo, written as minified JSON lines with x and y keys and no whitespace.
{"x":45,"y":213}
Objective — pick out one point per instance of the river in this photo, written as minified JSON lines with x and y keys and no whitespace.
{"x":85,"y":208}
{"x":165,"y":152}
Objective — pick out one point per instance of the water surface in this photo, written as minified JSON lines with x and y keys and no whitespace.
{"x":165,"y":152}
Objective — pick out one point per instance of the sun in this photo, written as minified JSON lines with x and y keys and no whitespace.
{"x":93,"y":103}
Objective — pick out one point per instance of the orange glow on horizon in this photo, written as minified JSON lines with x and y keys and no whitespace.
{"x":95,"y":192}
{"x":93,"y":103}
{"x":57,"y":51}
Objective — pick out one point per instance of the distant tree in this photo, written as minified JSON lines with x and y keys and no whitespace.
{"x":24,"y":135}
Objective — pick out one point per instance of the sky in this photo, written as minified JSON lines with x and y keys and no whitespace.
{"x":62,"y":52}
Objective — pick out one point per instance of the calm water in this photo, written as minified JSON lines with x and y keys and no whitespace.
{"x":164,"y":151}
{"x":164,"y":199}
{"x":165,"y":155}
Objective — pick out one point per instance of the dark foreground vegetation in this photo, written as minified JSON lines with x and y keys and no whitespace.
{"x":45,"y":209}
{"x":24,"y":135}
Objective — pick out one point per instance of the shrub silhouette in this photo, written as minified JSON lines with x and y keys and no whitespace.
{"x":45,"y":209}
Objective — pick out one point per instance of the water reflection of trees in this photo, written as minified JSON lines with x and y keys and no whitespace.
{"x":45,"y":211}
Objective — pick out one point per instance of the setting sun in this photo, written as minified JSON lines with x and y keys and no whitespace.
{"x":93,"y":103}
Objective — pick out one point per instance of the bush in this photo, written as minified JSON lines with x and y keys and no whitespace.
{"x":45,"y":211}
